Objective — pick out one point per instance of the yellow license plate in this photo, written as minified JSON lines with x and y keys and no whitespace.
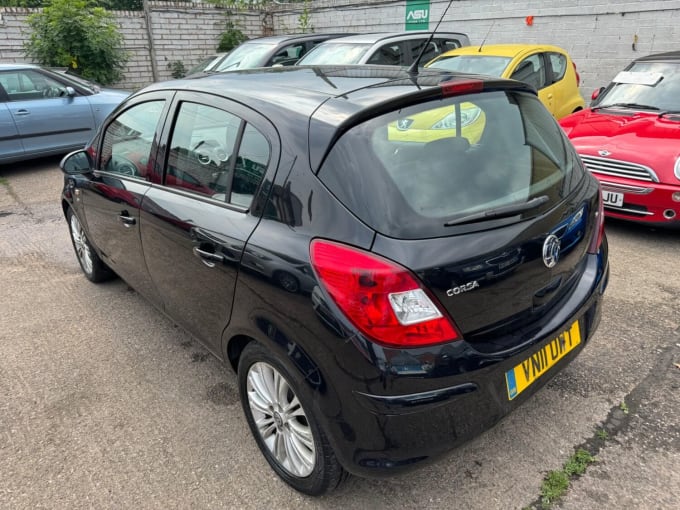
{"x":521,"y":376}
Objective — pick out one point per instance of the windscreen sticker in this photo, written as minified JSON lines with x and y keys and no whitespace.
{"x":638,"y":78}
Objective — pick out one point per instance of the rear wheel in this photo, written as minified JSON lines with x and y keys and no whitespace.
{"x":95,"y":270}
{"x":278,"y":410}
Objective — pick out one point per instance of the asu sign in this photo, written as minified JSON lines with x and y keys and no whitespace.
{"x":417,"y":15}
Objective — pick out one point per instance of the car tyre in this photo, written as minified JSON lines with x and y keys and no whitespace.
{"x":94,"y":269}
{"x":277,"y":405}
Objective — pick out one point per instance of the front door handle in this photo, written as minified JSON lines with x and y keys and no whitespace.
{"x":207,"y":257}
{"x":22,"y":112}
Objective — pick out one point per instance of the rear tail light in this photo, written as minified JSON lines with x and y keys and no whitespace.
{"x":383,"y":300}
{"x":596,"y":241}
{"x":578,"y":76}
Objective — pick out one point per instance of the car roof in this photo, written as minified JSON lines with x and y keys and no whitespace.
{"x":374,"y":37}
{"x":333,"y":98}
{"x":502,"y":50}
{"x":670,"y":55}
{"x":15,"y":66}
{"x":280,"y":39}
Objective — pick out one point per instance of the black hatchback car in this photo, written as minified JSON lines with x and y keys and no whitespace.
{"x":381,"y":299}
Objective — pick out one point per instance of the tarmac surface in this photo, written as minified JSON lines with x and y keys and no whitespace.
{"x":105,"y":403}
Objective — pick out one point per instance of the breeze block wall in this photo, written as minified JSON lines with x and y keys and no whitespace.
{"x":602,"y":36}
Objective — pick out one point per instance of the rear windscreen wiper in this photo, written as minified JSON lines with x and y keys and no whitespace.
{"x":626,"y":105}
{"x":499,"y":212}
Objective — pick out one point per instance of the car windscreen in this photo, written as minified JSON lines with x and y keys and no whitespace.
{"x":653,"y":84}
{"x":246,"y":56}
{"x":477,"y":64}
{"x":335,"y":54}
{"x":421,"y":171}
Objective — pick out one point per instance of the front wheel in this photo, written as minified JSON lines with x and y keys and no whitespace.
{"x":94,"y":269}
{"x":278,"y":409}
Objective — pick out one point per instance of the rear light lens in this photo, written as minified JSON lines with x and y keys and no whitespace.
{"x":459,"y":87}
{"x":578,"y":76}
{"x":383,"y":300}
{"x":596,"y":242}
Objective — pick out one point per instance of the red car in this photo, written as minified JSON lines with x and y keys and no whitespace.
{"x":629,"y":139}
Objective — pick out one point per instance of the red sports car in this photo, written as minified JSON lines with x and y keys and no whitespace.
{"x":630,"y":140}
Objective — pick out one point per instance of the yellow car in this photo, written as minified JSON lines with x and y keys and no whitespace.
{"x":548,"y":69}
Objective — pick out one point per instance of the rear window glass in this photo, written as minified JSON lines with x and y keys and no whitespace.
{"x":409,"y":172}
{"x":335,"y":54}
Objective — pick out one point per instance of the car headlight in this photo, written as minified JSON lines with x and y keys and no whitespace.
{"x":467,"y":116}
{"x":677,"y":168}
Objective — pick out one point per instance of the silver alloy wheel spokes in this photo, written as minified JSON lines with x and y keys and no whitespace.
{"x":81,"y":245}
{"x":281,"y":420}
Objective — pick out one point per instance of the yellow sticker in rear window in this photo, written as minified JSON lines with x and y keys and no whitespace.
{"x":521,"y":376}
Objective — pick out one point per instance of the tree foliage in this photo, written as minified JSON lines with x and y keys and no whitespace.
{"x":231,"y":37}
{"x":75,"y":34}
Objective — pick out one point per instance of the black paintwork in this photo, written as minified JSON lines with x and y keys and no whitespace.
{"x":383,"y":409}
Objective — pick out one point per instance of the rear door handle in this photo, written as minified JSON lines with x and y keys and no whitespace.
{"x":126,"y":220}
{"x":207,"y":257}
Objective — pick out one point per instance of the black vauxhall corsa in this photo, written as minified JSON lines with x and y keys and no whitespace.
{"x":382,"y":298}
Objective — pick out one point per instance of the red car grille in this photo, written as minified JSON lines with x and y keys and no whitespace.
{"x":606,"y":166}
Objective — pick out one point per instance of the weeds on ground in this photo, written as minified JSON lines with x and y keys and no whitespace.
{"x":556,"y":482}
{"x":602,"y":434}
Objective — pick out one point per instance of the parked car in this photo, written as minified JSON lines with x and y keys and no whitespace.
{"x":396,"y":49}
{"x":207,"y":63}
{"x":43,"y":113}
{"x":444,"y":283}
{"x":278,"y":50}
{"x":548,"y":69}
{"x":629,"y":139}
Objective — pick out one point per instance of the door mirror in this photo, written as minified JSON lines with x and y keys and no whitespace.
{"x":596,"y":93}
{"x":70,"y":91}
{"x":78,"y":162}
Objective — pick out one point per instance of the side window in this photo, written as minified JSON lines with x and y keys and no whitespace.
{"x":289,"y":55}
{"x":129,"y":138}
{"x":201,"y":146}
{"x":532,"y":71}
{"x":251,"y":164}
{"x":431,"y":51}
{"x":389,"y":54}
{"x":558,"y":63}
{"x":447,"y":44}
{"x":29,"y":85}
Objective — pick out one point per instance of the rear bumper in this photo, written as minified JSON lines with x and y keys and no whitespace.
{"x":458,"y":391}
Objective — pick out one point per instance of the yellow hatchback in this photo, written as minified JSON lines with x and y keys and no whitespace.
{"x":548,"y":69}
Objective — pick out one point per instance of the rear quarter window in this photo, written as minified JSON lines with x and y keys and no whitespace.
{"x":409,"y":172}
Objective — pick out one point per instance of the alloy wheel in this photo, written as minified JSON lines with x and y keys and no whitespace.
{"x":280,"y":420}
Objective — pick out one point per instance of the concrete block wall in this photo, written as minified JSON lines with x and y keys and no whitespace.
{"x":599,"y":34}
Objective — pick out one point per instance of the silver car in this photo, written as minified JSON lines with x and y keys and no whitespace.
{"x":43,"y":113}
{"x":397,"y":48}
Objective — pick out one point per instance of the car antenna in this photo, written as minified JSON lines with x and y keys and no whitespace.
{"x":413,"y":70}
{"x":487,"y":35}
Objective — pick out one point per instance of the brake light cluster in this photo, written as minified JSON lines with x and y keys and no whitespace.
{"x":460,"y":87}
{"x":384,"y":300}
{"x":596,"y":242}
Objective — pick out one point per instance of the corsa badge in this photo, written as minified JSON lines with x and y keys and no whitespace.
{"x":551,"y":251}
{"x":454,"y":291}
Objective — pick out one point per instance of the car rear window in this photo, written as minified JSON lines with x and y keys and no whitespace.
{"x":409,"y":172}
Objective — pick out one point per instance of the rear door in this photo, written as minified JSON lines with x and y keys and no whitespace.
{"x":533,"y":70}
{"x":196,"y":224}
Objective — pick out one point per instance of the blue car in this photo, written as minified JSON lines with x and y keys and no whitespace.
{"x":43,"y":113}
